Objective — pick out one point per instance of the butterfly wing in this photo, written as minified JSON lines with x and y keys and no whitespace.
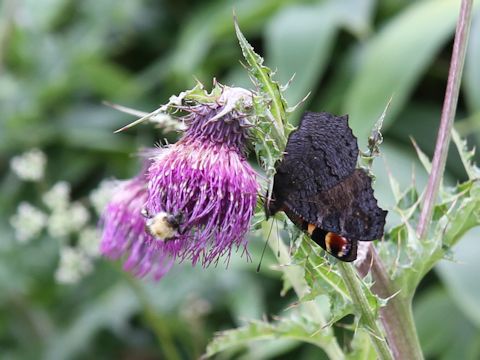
{"x":320,"y":154}
{"x":350,"y":209}
{"x":317,"y":180}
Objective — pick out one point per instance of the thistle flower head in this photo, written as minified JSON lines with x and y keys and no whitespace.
{"x":206,"y":180}
{"x":124,"y":231}
{"x":195,"y":200}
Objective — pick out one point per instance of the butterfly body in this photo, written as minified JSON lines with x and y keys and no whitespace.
{"x":321,"y":191}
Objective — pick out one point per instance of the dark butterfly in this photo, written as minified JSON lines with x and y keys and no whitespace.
{"x":321,"y":191}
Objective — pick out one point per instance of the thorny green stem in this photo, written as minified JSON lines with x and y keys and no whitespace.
{"x":448,"y":115}
{"x":396,"y":316}
{"x":359,"y":299}
{"x":295,"y":278}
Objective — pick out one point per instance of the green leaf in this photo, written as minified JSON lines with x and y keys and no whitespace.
{"x":395,"y":58}
{"x":466,"y":155}
{"x":294,"y":327}
{"x":465,"y":216}
{"x":324,"y":278}
{"x":427,"y":164}
{"x":362,"y":348}
{"x":263,"y":76}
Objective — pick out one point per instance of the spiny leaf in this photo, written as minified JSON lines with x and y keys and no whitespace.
{"x":466,"y":155}
{"x":323,"y":279}
{"x":361,"y":347}
{"x":410,"y":259}
{"x":463,"y":218}
{"x":427,"y":164}
{"x":295,"y":327}
{"x":267,"y":86}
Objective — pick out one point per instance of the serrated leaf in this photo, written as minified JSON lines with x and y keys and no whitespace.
{"x":267,"y":86}
{"x":323,"y":279}
{"x":408,"y":201}
{"x":466,"y":155}
{"x":362,"y":348}
{"x":295,"y":327}
{"x":427,"y":164}
{"x":462,"y":220}
{"x":321,"y":276}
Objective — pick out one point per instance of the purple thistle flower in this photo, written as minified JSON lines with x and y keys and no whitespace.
{"x":205,"y":180}
{"x":124,"y":231}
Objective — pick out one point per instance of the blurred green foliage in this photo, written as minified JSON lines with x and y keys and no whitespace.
{"x":59,"y":59}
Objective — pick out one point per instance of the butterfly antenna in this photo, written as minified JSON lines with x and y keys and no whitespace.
{"x":264,"y":248}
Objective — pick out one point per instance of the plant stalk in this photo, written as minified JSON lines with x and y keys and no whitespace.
{"x":350,"y":277}
{"x":396,"y":316}
{"x":448,"y":115}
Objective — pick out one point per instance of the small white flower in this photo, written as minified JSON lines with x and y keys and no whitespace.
{"x":59,"y":224}
{"x":74,"y":265}
{"x":28,"y":222}
{"x":102,"y":195}
{"x":58,"y":197}
{"x":63,"y":222}
{"x":78,"y":215}
{"x":29,"y":166}
{"x":89,"y":241}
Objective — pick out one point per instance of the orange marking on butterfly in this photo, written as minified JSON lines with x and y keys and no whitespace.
{"x":336,"y":244}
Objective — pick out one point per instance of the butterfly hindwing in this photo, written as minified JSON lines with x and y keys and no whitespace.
{"x":349,"y":209}
{"x":342,"y":248}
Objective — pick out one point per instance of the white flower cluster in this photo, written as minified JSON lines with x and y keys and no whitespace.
{"x":66,"y":218}
{"x":61,"y":218}
{"x":58,"y":196}
{"x":28,"y":222}
{"x":29,"y":166}
{"x":88,"y":241}
{"x":74,"y":264}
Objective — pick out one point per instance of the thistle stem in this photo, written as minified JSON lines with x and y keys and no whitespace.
{"x":359,"y":299}
{"x":448,"y":115}
{"x":396,"y":316}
